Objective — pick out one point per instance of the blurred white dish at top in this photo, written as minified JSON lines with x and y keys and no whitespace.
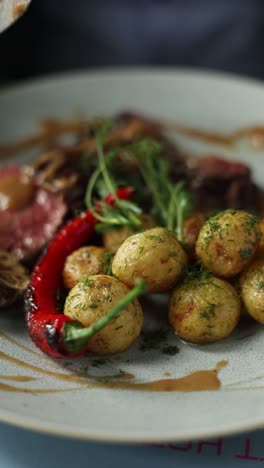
{"x":10,"y":11}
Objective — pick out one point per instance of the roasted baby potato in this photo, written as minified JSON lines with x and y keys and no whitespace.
{"x":91,"y":299}
{"x":154,"y":255}
{"x":114,"y":238}
{"x":252,"y":289}
{"x":204,"y":310}
{"x":191,"y":228}
{"x":86,"y":261}
{"x":227,"y":242}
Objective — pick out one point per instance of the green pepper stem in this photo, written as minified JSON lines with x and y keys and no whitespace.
{"x":75,"y":338}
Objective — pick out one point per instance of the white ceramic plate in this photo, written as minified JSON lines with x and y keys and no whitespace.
{"x":204,"y":100}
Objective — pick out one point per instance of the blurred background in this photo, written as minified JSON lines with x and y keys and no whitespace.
{"x":56,"y":35}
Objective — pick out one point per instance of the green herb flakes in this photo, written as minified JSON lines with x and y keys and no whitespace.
{"x":153,"y":339}
{"x":209,"y":312}
{"x":245,"y":254}
{"x":170,"y":350}
{"x":100,"y":362}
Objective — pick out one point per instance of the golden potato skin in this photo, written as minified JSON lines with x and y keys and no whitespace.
{"x":154,"y":255}
{"x":91,"y":299}
{"x":252,"y":289}
{"x":114,"y":238}
{"x":260,"y":249}
{"x":227,"y":242}
{"x":87,"y":260}
{"x":204,"y":310}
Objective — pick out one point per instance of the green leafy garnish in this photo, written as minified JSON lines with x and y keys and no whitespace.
{"x":172,"y":203}
{"x":124,"y":212}
{"x":182,"y":204}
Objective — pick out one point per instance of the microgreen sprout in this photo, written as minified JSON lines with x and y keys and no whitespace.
{"x":123,"y":212}
{"x":172,"y":202}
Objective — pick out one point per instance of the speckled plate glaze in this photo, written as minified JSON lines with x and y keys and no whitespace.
{"x":206,"y":100}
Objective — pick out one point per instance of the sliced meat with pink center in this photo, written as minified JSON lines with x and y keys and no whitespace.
{"x":29,"y":215}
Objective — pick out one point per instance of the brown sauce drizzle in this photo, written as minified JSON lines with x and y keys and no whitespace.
{"x":58,"y":375}
{"x":13,"y":388}
{"x":198,"y":134}
{"x":77,"y":377}
{"x":196,"y":381}
{"x":17,"y":378}
{"x":52,"y":129}
{"x":255,"y":134}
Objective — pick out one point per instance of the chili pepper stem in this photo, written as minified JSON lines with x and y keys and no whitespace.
{"x":75,"y":338}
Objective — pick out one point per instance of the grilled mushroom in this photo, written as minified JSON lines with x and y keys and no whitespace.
{"x":14,"y":278}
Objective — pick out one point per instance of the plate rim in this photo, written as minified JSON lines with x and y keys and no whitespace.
{"x":57,"y":430}
{"x":105,"y":72}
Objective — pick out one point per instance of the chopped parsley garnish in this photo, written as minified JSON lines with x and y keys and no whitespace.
{"x":209,"y":312}
{"x":250,"y":223}
{"x":83,"y":368}
{"x":156,"y":238}
{"x":86,"y":281}
{"x":245,"y":254}
{"x":171,"y":350}
{"x":108,"y":378}
{"x":67,"y":364}
{"x":153,"y":339}
{"x":100,"y":362}
{"x":140,"y":251}
{"x":106,"y":263}
{"x":172,"y":254}
{"x":213,"y":223}
{"x":197,"y":272}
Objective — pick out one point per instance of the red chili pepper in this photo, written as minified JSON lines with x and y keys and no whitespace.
{"x":123,"y":193}
{"x":44,"y":322}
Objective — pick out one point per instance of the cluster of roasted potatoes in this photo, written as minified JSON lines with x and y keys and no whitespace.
{"x":205,"y":301}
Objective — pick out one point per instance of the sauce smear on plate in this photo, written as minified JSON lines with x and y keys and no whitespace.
{"x":200,"y":380}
